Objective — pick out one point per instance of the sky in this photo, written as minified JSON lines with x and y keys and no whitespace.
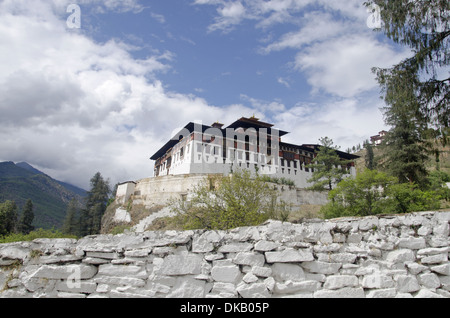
{"x":99,"y":86}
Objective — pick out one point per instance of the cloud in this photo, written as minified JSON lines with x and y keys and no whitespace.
{"x":72,"y":106}
{"x":230,"y":14}
{"x":342,"y":67}
{"x":345,"y":120}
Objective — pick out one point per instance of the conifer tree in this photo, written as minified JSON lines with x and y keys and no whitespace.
{"x":26,"y":220}
{"x":423,"y":26}
{"x":70,"y":225}
{"x":96,"y":202}
{"x":369,"y":158}
{"x":328,"y":166}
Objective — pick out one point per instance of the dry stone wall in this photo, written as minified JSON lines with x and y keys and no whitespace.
{"x":386,"y":256}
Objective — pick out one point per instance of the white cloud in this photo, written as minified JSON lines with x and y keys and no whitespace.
{"x":72,"y":107}
{"x":345,"y":120}
{"x":343,"y":66}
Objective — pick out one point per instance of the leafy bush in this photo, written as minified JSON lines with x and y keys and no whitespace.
{"x":373,"y":192}
{"x":228,"y":202}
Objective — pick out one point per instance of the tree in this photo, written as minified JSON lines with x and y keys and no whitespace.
{"x":424,"y":26}
{"x":8,"y":217}
{"x":97,"y":199}
{"x":26,"y":220}
{"x":373,"y":192}
{"x":370,"y":157}
{"x":360,"y":196}
{"x":228,"y":202}
{"x":70,"y":225}
{"x":405,"y":150}
{"x":328,"y":168}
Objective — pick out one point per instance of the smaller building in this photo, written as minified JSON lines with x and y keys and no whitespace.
{"x":378,"y":139}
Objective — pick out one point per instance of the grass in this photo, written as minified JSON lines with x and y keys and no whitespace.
{"x":40,"y":233}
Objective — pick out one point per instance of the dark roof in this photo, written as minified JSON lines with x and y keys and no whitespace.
{"x":189,"y":128}
{"x":240,"y":123}
{"x":301,"y":147}
{"x":341,"y":154}
{"x":184,"y":132}
{"x":255,"y":123}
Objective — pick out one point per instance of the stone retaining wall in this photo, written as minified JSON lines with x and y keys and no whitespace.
{"x":386,"y":256}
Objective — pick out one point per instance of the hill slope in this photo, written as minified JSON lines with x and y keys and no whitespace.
{"x":50,"y":197}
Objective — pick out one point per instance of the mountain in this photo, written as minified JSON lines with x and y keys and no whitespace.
{"x":20,"y":182}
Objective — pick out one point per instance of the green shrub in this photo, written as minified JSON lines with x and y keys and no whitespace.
{"x":40,"y":233}
{"x":229,"y":202}
{"x":373,"y":192}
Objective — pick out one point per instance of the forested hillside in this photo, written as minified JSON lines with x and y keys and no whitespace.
{"x":20,"y":182}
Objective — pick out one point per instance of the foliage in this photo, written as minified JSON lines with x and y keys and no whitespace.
{"x":96,"y":201}
{"x":328,"y":168}
{"x":50,"y":197}
{"x":406,"y":150}
{"x":437,"y":183}
{"x":369,"y":157}
{"x":424,"y":27}
{"x":8,"y":217}
{"x":71,"y":225}
{"x":361,"y":196}
{"x":407,"y":197}
{"x":282,"y":180}
{"x":40,"y":233}
{"x":229,"y":202}
{"x":373,"y":192}
{"x":26,"y":220}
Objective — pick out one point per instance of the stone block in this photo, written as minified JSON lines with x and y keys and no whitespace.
{"x":322,"y":267}
{"x":65,"y":272}
{"x":377,"y":280}
{"x":226,"y":273}
{"x":262,"y":271}
{"x":256,"y":290}
{"x":249,"y":258}
{"x":443,"y":269}
{"x":347,"y":292}
{"x":401,"y":256}
{"x":407,"y":284}
{"x":413,"y":243}
{"x":429,"y":280}
{"x":184,"y":264}
{"x":289,"y":256}
{"x":291,"y":287}
{"x":284,"y":272}
{"x":382,"y":293}
{"x":122,"y":270}
{"x":266,"y":246}
{"x":340,"y":281}
{"x":235,"y":248}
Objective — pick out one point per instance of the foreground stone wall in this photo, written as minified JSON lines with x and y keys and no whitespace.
{"x":390,"y":256}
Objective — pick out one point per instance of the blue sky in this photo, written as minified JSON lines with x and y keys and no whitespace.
{"x":105,"y":96}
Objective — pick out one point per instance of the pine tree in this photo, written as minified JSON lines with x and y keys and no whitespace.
{"x":329,"y":167}
{"x":70,"y":225}
{"x":405,"y":151}
{"x":369,"y":158}
{"x":97,"y":199}
{"x":424,"y":26}
{"x":27,"y":218}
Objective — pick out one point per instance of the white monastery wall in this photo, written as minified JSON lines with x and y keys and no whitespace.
{"x":158,"y":191}
{"x":373,"y":257}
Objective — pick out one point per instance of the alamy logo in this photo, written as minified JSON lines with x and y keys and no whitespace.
{"x":74,"y":20}
{"x":74,"y":279}
{"x":374,"y":20}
